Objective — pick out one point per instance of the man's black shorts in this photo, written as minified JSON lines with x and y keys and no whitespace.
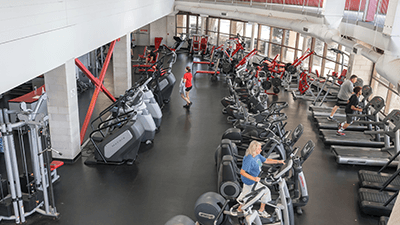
{"x":339,"y":102}
{"x":349,"y":119}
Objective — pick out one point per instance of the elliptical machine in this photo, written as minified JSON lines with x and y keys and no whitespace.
{"x":163,"y":80}
{"x":212,"y":208}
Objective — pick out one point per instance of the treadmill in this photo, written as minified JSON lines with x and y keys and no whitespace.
{"x":372,"y":108}
{"x":378,"y":202}
{"x":373,"y":156}
{"x":352,"y":138}
{"x":376,"y":180}
{"x":326,"y":111}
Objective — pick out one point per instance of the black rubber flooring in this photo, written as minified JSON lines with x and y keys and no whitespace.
{"x":173,"y":172}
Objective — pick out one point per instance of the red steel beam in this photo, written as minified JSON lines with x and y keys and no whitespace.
{"x":96,"y":91}
{"x":94,"y":79}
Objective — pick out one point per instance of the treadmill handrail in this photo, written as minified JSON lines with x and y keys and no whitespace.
{"x":389,"y":180}
{"x":390,"y":161}
{"x":369,"y":122}
{"x":377,"y":132}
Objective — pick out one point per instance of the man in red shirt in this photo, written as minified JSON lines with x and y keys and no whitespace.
{"x":187,"y":79}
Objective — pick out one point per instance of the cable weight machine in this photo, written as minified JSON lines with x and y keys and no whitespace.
{"x":33,"y":191}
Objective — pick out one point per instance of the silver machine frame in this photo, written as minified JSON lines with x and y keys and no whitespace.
{"x":35,"y":122}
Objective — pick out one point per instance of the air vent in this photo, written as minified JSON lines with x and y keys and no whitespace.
{"x":357,"y":50}
{"x":224,"y":14}
{"x":305,"y":29}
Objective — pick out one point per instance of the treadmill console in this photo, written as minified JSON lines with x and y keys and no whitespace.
{"x":377,"y":103}
{"x":394,"y":117}
{"x":366,"y":91}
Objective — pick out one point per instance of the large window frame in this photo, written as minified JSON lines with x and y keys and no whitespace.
{"x":328,"y":61}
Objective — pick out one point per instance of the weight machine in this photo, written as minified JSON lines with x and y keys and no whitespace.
{"x":33,"y":191}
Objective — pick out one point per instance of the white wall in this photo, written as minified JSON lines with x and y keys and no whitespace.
{"x":165,"y":28}
{"x":39,"y":35}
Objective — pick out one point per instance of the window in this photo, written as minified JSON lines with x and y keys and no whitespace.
{"x":223,"y":38}
{"x":224,"y":26}
{"x":394,"y":102}
{"x":249,"y":29}
{"x":180,"y":24}
{"x":237,"y":28}
{"x":265,"y":33}
{"x":290,"y":38}
{"x":212,"y":30}
{"x":192,"y":24}
{"x":263,"y":44}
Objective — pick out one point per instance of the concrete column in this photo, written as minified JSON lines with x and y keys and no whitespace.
{"x":62,"y":106}
{"x":122,"y":68}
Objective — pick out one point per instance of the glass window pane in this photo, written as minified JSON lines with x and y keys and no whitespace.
{"x":263,"y":48}
{"x":329,"y":67}
{"x":301,"y":40}
{"x":265,"y":33}
{"x":287,"y":55}
{"x":277,"y":35}
{"x":180,"y":30}
{"x":394,"y":102}
{"x":224,"y":26}
{"x":331,"y":54}
{"x":382,"y":79}
{"x":319,"y":47}
{"x":248,"y":42}
{"x":237,"y":28}
{"x":213,"y":24}
{"x":290,"y":38}
{"x":275,"y":50}
{"x":212,"y":39}
{"x":249,"y":28}
{"x":223,"y":38}
{"x":317,"y":64}
{"x":199,"y":24}
{"x":346,"y":58}
{"x":192,"y":24}
{"x":181,"y":21}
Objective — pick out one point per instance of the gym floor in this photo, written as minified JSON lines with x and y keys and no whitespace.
{"x":178,"y":167}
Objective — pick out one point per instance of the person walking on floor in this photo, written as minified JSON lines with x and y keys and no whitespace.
{"x":350,"y":108}
{"x":187,"y":80}
{"x":344,"y":94}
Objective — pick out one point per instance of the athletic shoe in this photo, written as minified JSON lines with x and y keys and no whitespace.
{"x":264,"y":214}
{"x":186,"y":106}
{"x":329,"y":118}
{"x":190,"y":104}
{"x":340,"y":133}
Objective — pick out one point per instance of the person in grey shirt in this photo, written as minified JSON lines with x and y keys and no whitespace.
{"x":345,"y":92}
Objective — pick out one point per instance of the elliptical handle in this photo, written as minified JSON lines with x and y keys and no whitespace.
{"x":221,"y":212}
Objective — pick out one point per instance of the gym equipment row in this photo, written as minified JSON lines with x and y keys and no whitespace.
{"x":265,"y":125}
{"x":370,"y":140}
{"x":132,"y":120}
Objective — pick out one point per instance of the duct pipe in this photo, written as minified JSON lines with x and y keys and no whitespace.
{"x":388,"y":66}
